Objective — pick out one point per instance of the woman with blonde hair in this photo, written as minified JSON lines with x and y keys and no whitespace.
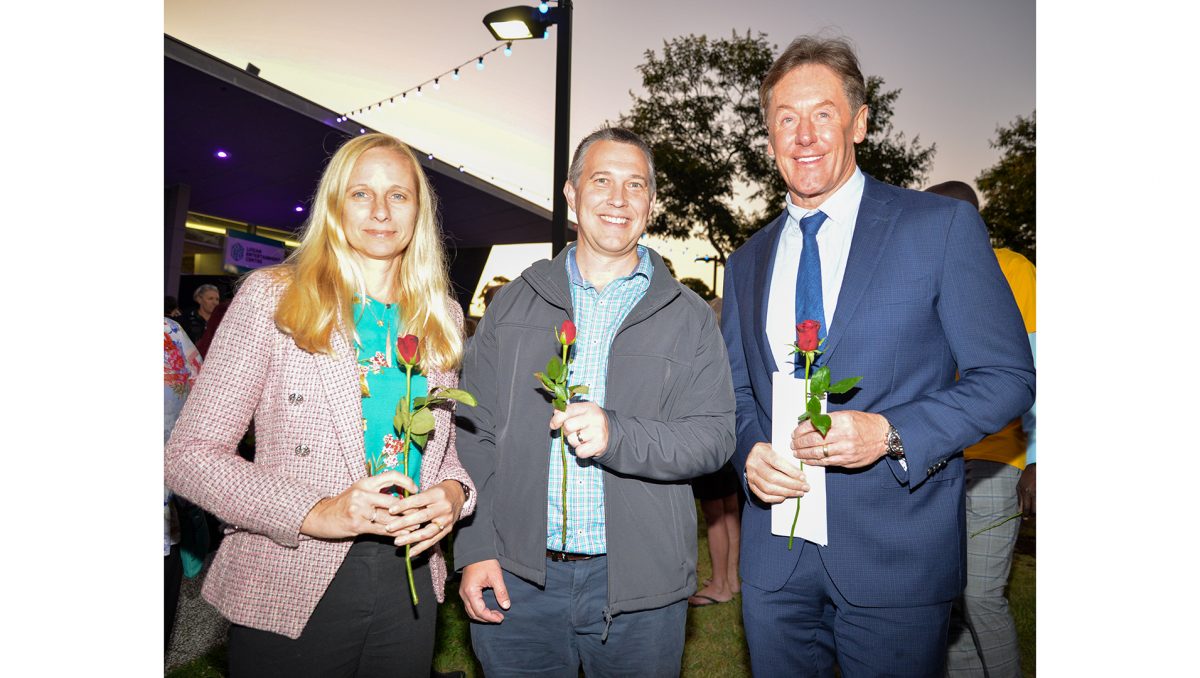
{"x":309,"y":572}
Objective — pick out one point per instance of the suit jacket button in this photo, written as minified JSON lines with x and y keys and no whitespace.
{"x":302,"y":450}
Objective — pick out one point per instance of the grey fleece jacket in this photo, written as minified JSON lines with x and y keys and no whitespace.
{"x":670,"y":415}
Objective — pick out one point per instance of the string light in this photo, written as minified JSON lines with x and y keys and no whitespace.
{"x":543,"y":7}
{"x":436,"y":81}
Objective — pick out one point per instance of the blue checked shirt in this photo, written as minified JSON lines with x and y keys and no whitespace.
{"x":598,"y":316}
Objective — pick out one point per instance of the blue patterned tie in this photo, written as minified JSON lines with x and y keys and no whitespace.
{"x":809,"y":303}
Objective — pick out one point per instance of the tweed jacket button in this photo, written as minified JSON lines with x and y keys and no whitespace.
{"x":295,"y":398}
{"x":302,"y":450}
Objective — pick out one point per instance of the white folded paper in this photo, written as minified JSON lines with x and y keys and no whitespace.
{"x":788,"y":404}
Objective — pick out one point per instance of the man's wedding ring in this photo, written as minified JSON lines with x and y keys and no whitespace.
{"x":825,"y":450}
{"x":373,"y":512}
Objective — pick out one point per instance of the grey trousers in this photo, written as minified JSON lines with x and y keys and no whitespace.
{"x":983,"y":637}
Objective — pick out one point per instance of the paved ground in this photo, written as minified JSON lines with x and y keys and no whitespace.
{"x":198,"y":626}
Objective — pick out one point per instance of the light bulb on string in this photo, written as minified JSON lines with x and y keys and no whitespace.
{"x":543,"y":7}
{"x":455,"y":76}
{"x":436,"y":84}
{"x":419,"y":90}
{"x":479,"y":64}
{"x":508,"y":49}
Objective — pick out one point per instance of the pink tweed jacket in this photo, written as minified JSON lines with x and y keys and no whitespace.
{"x":307,"y":412}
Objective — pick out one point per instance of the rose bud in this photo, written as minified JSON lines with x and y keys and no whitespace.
{"x":566,"y":336}
{"x":806,"y":335}
{"x":409,"y":349}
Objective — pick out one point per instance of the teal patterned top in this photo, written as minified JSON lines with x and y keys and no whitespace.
{"x":382,"y":378}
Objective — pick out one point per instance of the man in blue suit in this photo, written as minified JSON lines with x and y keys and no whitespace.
{"x":911,"y":294}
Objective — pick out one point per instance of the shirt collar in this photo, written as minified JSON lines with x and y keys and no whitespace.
{"x":644,"y":268}
{"x":841,"y":207}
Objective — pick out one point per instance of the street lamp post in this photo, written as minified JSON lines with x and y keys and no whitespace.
{"x":525,"y":23}
{"x":715,"y":261}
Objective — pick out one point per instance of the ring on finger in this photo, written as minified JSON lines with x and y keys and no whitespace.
{"x":437,"y":522}
{"x":825,"y":450}
{"x":373,"y":512}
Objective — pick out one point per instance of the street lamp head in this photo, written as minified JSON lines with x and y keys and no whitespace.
{"x":518,"y":23}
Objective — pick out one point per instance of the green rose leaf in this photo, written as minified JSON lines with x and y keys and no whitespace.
{"x":422,"y":422}
{"x":560,"y":404}
{"x":554,"y":368}
{"x":579,"y":389}
{"x":822,"y":422}
{"x":802,"y":418}
{"x":458,"y":395}
{"x":402,"y":420}
{"x":820,"y":381}
{"x":419,"y":440}
{"x":419,"y":401}
{"x":844,"y":385}
{"x":813,"y":406}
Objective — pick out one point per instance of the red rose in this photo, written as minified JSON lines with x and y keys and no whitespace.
{"x":806,"y":335}
{"x":566,"y":336}
{"x":409,"y":348}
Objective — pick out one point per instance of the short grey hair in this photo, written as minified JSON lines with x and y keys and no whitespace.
{"x":202,"y":289}
{"x":619,"y":135}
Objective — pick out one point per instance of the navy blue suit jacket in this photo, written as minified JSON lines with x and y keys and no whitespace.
{"x":922,"y":298}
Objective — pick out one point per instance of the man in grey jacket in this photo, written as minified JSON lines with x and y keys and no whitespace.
{"x":609,"y":590}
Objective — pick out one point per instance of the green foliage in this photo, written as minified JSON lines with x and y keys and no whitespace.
{"x":699,"y":287}
{"x":1009,"y":188}
{"x":885,"y":154}
{"x":700,"y":114}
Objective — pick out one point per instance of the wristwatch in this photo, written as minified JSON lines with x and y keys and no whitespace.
{"x":895,"y":448}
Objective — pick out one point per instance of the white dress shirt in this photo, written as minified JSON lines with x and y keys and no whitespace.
{"x":841,"y":210}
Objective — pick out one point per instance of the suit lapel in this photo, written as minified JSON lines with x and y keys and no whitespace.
{"x":762,"y":289}
{"x":871,"y":232}
{"x":339,"y":376}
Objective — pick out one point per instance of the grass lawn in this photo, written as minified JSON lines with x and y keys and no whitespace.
{"x":716,"y":645}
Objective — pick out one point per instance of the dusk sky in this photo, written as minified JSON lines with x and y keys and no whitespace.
{"x":965,"y":66}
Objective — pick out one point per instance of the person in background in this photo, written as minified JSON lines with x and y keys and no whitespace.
{"x":206,"y":296}
{"x":906,"y":292}
{"x":309,"y":574}
{"x":181,"y":364}
{"x":210,"y":327}
{"x":171,"y":308}
{"x":718,"y":496}
{"x":590,"y":561}
{"x":1001,"y":481}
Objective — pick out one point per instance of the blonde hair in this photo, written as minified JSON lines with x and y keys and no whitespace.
{"x":323,"y":275}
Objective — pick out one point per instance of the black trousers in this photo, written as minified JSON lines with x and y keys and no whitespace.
{"x":365,"y":625}
{"x":172,"y":578}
